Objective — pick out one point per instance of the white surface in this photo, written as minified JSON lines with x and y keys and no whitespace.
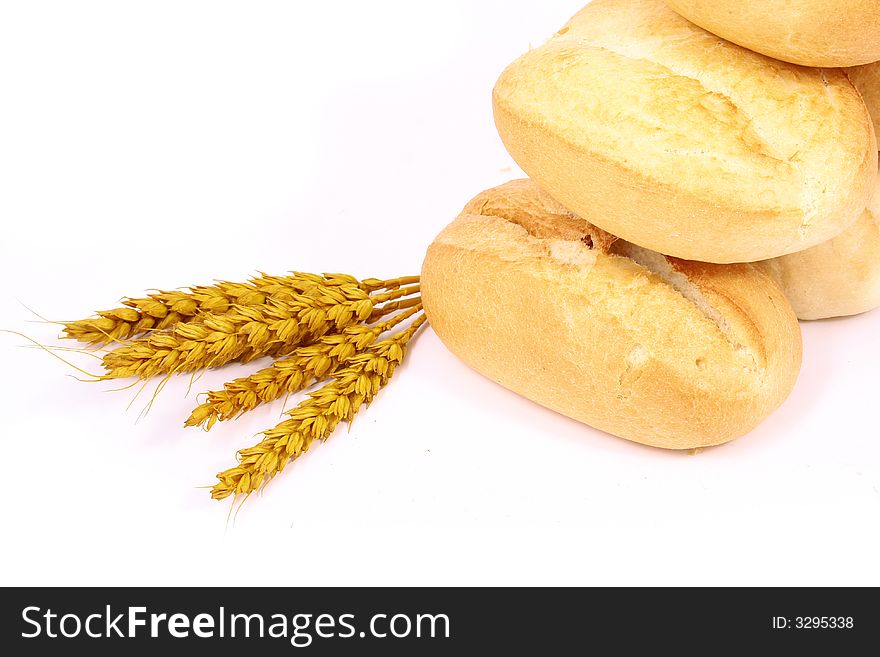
{"x":167,"y":143}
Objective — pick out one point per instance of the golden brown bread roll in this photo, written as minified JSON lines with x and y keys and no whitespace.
{"x":838,"y":277}
{"x":867,"y":80}
{"x":682,"y":142}
{"x":807,"y":32}
{"x":661,"y":351}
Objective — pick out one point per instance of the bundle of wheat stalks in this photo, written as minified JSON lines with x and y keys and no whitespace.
{"x":332,"y":327}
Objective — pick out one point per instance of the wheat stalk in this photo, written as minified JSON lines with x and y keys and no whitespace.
{"x":318,"y":416}
{"x":164,"y":309}
{"x":246,"y":332}
{"x":303,"y":367}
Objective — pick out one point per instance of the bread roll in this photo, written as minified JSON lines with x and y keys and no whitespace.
{"x":660,"y":351}
{"x":867,"y":80}
{"x":807,"y":32}
{"x":684,"y":143}
{"x":838,"y":277}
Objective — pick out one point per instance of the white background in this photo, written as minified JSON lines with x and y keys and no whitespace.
{"x":161,"y":144}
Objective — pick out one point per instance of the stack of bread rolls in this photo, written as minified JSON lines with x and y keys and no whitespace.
{"x":702,"y":174}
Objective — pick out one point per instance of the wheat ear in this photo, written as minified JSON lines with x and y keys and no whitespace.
{"x":164,"y":309}
{"x":318,"y":416}
{"x":303,"y":367}
{"x":246,"y":332}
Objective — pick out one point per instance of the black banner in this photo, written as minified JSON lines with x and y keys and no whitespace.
{"x":434,"y":621}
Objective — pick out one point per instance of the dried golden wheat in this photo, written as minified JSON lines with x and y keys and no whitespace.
{"x":246,"y":332}
{"x":164,"y":309}
{"x":318,"y":416}
{"x":303,"y":367}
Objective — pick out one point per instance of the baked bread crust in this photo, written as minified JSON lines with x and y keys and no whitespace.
{"x":807,"y":32}
{"x":838,"y":277}
{"x":684,"y":143}
{"x":867,"y":80}
{"x":563,"y":313}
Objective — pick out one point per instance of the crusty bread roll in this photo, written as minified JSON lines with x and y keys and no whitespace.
{"x":661,"y":351}
{"x":838,"y":277}
{"x":682,"y":142}
{"x":867,"y":80}
{"x":806,"y":32}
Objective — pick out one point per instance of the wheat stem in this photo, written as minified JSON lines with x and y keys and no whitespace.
{"x":373,"y":284}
